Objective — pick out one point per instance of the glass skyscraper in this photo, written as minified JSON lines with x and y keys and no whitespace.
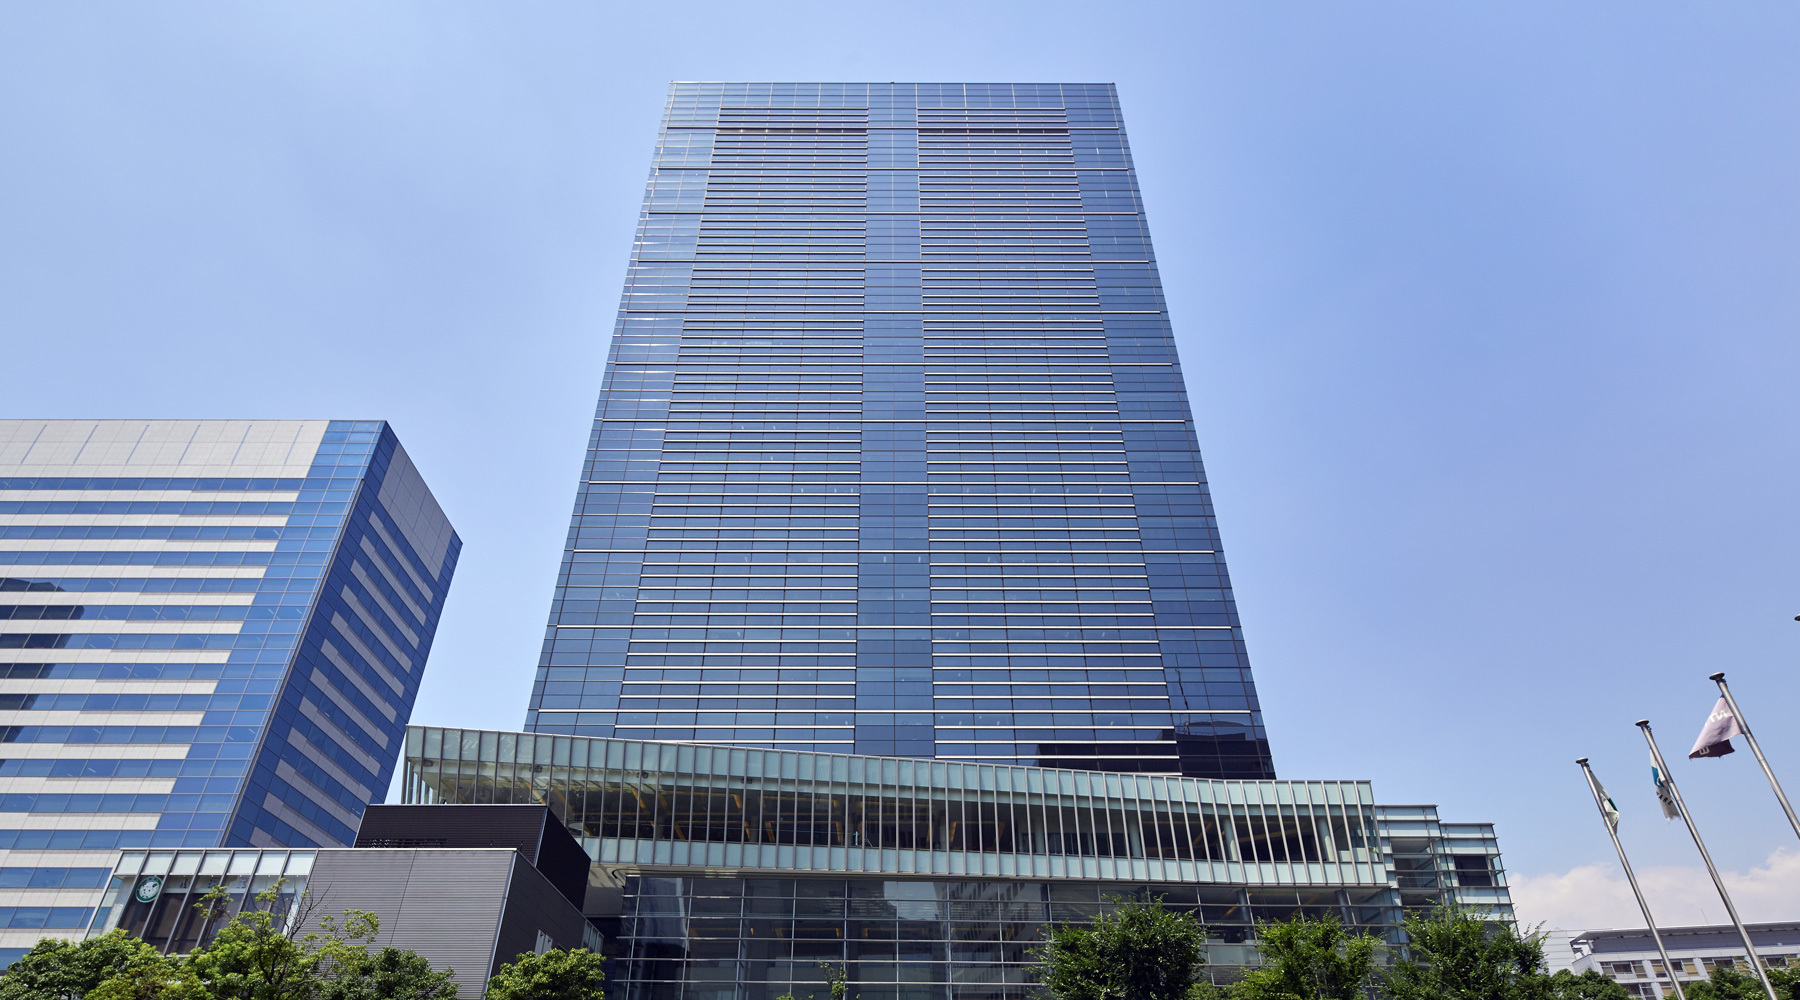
{"x":211,"y":634}
{"x":893,"y":454}
{"x":892,"y":628}
{"x":891,"y":553}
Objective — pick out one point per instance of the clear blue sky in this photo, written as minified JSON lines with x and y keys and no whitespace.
{"x":1488,"y":314}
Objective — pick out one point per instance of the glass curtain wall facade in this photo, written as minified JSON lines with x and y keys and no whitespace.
{"x":156,"y":895}
{"x":211,"y":634}
{"x":731,"y":873}
{"x":893,"y":453}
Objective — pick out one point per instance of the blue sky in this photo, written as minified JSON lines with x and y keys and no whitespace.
{"x":1488,"y":315}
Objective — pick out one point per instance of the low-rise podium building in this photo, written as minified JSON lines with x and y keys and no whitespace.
{"x":471,"y":892}
{"x":731,"y":873}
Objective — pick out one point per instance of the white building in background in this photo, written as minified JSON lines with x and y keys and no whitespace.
{"x":1629,"y":956}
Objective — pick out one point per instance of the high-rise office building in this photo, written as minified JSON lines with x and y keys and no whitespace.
{"x":891,"y":552}
{"x":893,"y":460}
{"x":893,"y":454}
{"x":211,"y":634}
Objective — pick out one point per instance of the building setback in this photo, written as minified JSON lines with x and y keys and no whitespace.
{"x":211,"y":634}
{"x":893,"y":454}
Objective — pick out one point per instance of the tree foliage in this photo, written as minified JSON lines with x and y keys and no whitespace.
{"x":1590,"y":985}
{"x":1456,"y":955}
{"x":67,"y":970}
{"x":257,"y":955}
{"x":1731,"y":983}
{"x":1310,"y":959}
{"x":1139,"y":951}
{"x":389,"y":974}
{"x":837,"y":981}
{"x":557,"y":974}
{"x":1453,"y":955}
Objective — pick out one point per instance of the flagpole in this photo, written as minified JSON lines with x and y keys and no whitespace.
{"x":1656,"y":758}
{"x":1655,"y":935}
{"x":1749,"y":738}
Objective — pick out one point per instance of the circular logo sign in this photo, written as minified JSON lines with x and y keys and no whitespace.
{"x":149,"y":888}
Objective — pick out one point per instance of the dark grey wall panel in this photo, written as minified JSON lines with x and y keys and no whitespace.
{"x":516,"y":826}
{"x":532,"y":830}
{"x":443,"y":904}
{"x":534,"y":904}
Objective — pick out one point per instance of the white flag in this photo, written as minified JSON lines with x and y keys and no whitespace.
{"x":1607,"y":809}
{"x":1715,"y":736}
{"x":1664,"y":797}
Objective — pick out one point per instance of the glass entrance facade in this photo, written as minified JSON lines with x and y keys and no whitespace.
{"x":893,"y":453}
{"x":732,"y":873}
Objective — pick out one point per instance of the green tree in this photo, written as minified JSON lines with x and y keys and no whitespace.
{"x":836,"y":980}
{"x":67,"y":970}
{"x":1139,"y":951}
{"x":171,"y":980}
{"x":389,"y":974}
{"x":1732,"y":983}
{"x":555,"y":975}
{"x":1590,"y":985}
{"x":257,"y":955}
{"x":1456,"y":955}
{"x":1309,"y":960}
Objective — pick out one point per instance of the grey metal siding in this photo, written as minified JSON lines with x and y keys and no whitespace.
{"x":443,"y":904}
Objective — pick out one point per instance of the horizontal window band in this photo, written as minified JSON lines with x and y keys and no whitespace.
{"x":821,"y":727}
{"x":869,"y":481}
{"x":928,"y":712}
{"x":883,"y":213}
{"x":887,"y":551}
{"x":703,"y":684}
{"x":992,"y":731}
{"x":881,"y":127}
{"x":734,"y":698}
{"x":893,"y":312}
{"x":1225,"y":630}
{"x":1097,"y":686}
{"x":687,"y":418}
{"x":759,"y":653}
{"x":948,"y":555}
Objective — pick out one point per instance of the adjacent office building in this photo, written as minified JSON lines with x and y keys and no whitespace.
{"x":893,"y":624}
{"x":211,"y":635}
{"x":1629,"y":957}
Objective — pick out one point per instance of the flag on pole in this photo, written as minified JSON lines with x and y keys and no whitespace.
{"x":1607,"y":809}
{"x":1715,"y":736}
{"x":1664,"y":797}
